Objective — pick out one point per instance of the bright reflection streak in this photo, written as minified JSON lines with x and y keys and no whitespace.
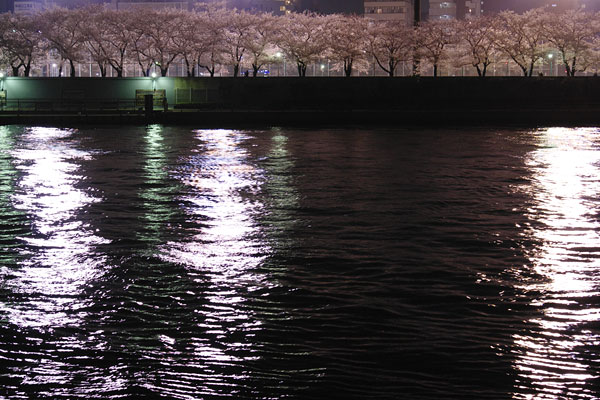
{"x":280,"y":189}
{"x":154,"y":192}
{"x":225,"y":252}
{"x":551,"y":361}
{"x":57,"y":263}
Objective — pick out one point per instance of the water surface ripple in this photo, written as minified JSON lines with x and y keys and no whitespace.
{"x":176,"y":263}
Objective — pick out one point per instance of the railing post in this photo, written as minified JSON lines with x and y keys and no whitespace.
{"x":149,"y":106}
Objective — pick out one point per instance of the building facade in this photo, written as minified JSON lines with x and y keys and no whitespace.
{"x":520,"y":6}
{"x":389,"y":10}
{"x":430,"y":9}
{"x":277,"y":7}
{"x":151,"y":4}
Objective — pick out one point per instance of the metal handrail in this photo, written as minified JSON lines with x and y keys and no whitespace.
{"x":71,"y":106}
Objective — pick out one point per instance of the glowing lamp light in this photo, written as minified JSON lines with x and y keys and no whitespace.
{"x":153,"y":75}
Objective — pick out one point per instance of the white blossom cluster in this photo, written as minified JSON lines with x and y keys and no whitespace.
{"x":213,"y":39}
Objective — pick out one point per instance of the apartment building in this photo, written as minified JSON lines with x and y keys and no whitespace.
{"x":430,"y":9}
{"x":389,"y":10}
{"x":277,"y":7}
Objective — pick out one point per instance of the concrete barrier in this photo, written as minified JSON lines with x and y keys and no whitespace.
{"x":434,"y":100}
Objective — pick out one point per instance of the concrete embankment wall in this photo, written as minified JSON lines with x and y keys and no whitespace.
{"x":470,"y":100}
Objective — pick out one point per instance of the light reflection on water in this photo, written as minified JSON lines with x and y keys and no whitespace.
{"x":224,"y":253}
{"x":56,"y":262}
{"x":565,"y":170}
{"x":235,"y":272}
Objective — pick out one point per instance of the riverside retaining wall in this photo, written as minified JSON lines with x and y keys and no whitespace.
{"x":466,"y":100}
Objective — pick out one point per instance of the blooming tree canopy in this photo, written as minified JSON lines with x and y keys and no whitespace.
{"x":214,"y":38}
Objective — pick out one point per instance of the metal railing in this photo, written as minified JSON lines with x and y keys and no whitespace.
{"x":71,"y":106}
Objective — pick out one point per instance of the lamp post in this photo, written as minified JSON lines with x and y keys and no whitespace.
{"x":278,"y":56}
{"x":153,"y":75}
{"x":550,"y":57}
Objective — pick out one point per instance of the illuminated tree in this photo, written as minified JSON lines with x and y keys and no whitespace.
{"x":19,"y":41}
{"x":575,"y":35}
{"x":237,"y":28}
{"x":521,"y":38}
{"x":118,"y":38}
{"x":347,"y":41}
{"x":63,"y":31}
{"x":259,"y":41}
{"x":95,"y":37}
{"x":390,"y":44}
{"x":303,"y":38}
{"x":153,"y":32}
{"x":433,"y":39}
{"x":479,"y":40}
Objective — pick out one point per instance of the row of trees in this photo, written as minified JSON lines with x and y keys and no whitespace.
{"x":214,"y":38}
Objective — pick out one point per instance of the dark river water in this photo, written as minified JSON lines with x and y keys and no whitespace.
{"x":175,"y":263}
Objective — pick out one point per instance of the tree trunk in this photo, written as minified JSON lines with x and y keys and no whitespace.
{"x":255,"y":69}
{"x":236,"y":70}
{"x":164,"y":71}
{"x":190,"y":73}
{"x":27,"y":70}
{"x":119,"y":72}
{"x":211,"y":70}
{"x":301,"y":69}
{"x":348,"y":68}
{"x":479,"y":72}
{"x":102,"y":70}
{"x":15,"y":70}
{"x":72,"y":65}
{"x":60,"y":67}
{"x":435,"y":70}
{"x":391,"y":69}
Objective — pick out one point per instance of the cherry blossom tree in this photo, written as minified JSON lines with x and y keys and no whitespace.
{"x":390,"y":44}
{"x":521,"y":38}
{"x":237,"y":28}
{"x":152,"y":40}
{"x":259,"y":41}
{"x":303,"y":38}
{"x":118,"y":37}
{"x":574,"y":34}
{"x":95,"y":37}
{"x":19,"y":41}
{"x":433,"y":40}
{"x":479,"y":37}
{"x":63,"y":31}
{"x":189,"y":42}
{"x":347,"y":42}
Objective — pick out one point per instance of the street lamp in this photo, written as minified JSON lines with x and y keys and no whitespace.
{"x":1,"y":81}
{"x":550,"y":57}
{"x":153,"y":76}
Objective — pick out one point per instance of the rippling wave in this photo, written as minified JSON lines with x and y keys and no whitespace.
{"x":161,"y":262}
